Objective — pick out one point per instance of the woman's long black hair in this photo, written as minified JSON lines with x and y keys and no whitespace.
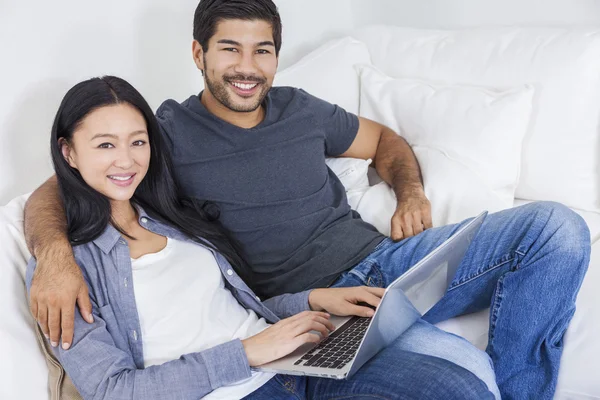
{"x":89,"y":212}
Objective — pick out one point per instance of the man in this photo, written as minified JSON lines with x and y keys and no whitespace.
{"x":258,"y":153}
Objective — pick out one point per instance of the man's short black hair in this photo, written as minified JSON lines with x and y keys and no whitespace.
{"x":210,"y":12}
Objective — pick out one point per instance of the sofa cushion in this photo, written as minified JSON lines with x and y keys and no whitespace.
{"x":328,"y":72}
{"x":560,"y":157}
{"x":24,"y":374}
{"x":467,"y":139}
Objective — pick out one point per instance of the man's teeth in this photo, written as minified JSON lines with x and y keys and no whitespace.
{"x":120,"y":178}
{"x":244,"y":86}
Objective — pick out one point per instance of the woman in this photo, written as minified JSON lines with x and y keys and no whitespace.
{"x":172,"y":317}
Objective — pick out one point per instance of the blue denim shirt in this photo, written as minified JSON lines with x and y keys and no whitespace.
{"x":106,"y":358}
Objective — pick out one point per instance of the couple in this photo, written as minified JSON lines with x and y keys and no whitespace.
{"x":155,"y":227}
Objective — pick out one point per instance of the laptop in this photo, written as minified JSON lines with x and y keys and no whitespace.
{"x":356,"y":339}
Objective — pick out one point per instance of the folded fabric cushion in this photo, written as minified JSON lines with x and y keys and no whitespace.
{"x":561,"y":149}
{"x":467,"y":140}
{"x":24,"y":371}
{"x":328,"y":72}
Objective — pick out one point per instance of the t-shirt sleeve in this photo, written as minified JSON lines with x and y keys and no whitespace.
{"x":339,"y":126}
{"x":164,"y":118}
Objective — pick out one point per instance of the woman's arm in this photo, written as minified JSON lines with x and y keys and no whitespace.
{"x":100,"y":370}
{"x":338,"y":301}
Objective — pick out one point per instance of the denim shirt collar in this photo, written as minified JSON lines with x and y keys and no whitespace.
{"x":109,"y":238}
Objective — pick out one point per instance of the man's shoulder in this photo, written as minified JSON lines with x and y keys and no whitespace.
{"x":287,"y":94}
{"x":293,"y":101}
{"x":170,"y":107}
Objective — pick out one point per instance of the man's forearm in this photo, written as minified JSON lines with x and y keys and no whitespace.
{"x":397,"y":165}
{"x":45,"y":220}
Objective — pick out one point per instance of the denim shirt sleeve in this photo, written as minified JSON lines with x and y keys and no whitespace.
{"x":286,"y":305}
{"x":100,"y":370}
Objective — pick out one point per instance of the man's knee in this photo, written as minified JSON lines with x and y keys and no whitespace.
{"x":569,"y":232}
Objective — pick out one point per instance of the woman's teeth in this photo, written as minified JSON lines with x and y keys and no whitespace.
{"x":120,"y":178}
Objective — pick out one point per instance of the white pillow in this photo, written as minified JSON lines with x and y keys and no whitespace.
{"x":561,"y":152}
{"x":352,"y":172}
{"x":328,"y":72}
{"x":24,"y":373}
{"x":467,"y":139}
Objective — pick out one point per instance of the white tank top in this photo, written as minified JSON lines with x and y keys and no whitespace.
{"x":184,"y":307}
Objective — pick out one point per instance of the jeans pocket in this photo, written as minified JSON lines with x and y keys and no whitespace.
{"x":368,"y":273}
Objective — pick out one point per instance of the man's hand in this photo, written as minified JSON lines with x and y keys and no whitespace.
{"x":54,"y":292}
{"x":344,"y":301}
{"x":412,"y":216}
{"x":285,"y":336}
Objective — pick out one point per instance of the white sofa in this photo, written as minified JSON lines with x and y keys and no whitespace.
{"x":558,"y":160}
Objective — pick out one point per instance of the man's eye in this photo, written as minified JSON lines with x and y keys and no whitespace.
{"x":230,"y":49}
{"x":105,"y":146}
{"x":139,"y":143}
{"x":263,"y":51}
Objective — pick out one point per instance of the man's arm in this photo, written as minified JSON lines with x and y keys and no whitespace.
{"x":58,"y":282}
{"x":397,"y":165}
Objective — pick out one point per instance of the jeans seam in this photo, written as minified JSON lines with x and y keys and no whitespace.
{"x":375,"y":267}
{"x":288,"y":384}
{"x":483,"y":272}
{"x":494,"y":311}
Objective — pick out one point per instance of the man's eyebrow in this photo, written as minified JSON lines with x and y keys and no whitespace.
{"x":229,"y":41}
{"x":234,"y":43}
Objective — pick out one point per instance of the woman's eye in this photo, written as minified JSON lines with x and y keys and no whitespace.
{"x":105,"y":146}
{"x":139,"y":143}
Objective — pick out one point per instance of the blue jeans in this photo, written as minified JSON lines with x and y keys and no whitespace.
{"x":392,"y":374}
{"x":527,"y":264}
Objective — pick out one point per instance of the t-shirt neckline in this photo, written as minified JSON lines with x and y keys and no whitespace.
{"x":266,"y":104}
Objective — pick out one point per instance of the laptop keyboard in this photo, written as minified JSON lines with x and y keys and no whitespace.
{"x":339,"y":348}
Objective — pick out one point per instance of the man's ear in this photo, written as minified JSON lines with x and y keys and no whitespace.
{"x":67,"y":152}
{"x":198,"y":55}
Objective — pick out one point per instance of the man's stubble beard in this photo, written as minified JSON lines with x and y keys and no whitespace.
{"x":219,"y":91}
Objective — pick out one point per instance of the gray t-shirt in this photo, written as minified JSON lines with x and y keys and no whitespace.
{"x":275,"y":193}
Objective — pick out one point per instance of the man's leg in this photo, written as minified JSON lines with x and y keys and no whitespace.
{"x":527,"y":263}
{"x":398,"y":374}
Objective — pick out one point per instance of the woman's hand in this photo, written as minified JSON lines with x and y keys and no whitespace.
{"x":344,"y":301}
{"x":285,"y":336}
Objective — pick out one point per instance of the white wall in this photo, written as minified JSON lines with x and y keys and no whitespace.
{"x":47,"y":46}
{"x":470,"y":13}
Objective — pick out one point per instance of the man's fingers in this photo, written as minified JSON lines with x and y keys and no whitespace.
{"x":407,"y":225}
{"x":54,"y":325}
{"x":85,"y":305}
{"x":67,"y":323}
{"x":33,"y":307}
{"x":396,"y":231}
{"x":427,"y":222}
{"x":42,"y":318}
{"x":417,"y":223}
